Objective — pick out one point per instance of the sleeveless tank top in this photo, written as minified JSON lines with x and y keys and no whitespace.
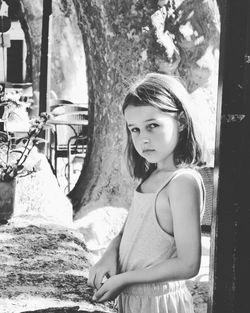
{"x":144,"y":243}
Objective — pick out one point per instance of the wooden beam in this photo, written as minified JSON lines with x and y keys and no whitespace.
{"x":231,"y":216}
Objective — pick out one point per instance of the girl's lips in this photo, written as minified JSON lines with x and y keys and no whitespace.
{"x":148,"y":150}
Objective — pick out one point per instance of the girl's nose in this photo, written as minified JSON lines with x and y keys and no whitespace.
{"x":144,"y":138}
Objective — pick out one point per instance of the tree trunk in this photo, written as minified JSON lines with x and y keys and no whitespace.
{"x":122,"y":43}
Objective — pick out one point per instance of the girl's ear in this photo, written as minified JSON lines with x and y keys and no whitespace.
{"x":182,"y":121}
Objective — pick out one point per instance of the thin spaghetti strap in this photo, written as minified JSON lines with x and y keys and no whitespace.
{"x":167,"y":181}
{"x":198,"y":178}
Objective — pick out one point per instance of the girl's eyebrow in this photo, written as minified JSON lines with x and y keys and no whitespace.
{"x":149,"y":120}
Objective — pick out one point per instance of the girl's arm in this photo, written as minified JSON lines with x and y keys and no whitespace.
{"x":107,"y":265}
{"x":183,"y":194}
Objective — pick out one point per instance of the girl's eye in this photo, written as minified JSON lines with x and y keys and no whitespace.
{"x":152,"y":125}
{"x":134,"y":130}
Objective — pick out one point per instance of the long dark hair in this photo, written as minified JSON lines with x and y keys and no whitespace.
{"x":166,"y":93}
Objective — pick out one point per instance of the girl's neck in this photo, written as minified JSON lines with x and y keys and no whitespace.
{"x":166,"y":167}
{"x":164,"y":170}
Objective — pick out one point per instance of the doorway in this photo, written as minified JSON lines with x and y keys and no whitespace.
{"x":15,"y":61}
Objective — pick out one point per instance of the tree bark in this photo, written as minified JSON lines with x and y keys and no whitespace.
{"x":121,"y":43}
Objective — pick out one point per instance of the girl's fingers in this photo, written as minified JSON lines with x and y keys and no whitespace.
{"x":91,"y":279}
{"x":98,"y":280}
{"x":95,"y":278}
{"x":99,"y":294}
{"x":102,"y":299}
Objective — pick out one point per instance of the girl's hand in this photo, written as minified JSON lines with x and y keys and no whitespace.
{"x":105,"y":267}
{"x":110,"y":289}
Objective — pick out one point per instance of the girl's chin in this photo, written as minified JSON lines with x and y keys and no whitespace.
{"x":150,"y":159}
{"x":155,"y":160}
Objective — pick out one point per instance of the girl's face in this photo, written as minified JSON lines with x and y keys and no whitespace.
{"x":154,"y":134}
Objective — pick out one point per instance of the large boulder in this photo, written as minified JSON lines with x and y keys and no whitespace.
{"x":42,"y":267}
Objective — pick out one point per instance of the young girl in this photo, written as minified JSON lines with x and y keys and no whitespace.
{"x":160,"y":244}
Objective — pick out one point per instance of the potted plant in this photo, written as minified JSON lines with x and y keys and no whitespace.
{"x":14,"y":151}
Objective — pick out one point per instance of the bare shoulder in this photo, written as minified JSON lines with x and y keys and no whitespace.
{"x":188,"y":178}
{"x":185,"y":186}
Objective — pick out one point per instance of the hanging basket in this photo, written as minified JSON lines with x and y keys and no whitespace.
{"x":7,"y":200}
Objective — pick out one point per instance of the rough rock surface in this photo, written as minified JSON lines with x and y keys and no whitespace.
{"x":44,"y":266}
{"x":44,"y":261}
